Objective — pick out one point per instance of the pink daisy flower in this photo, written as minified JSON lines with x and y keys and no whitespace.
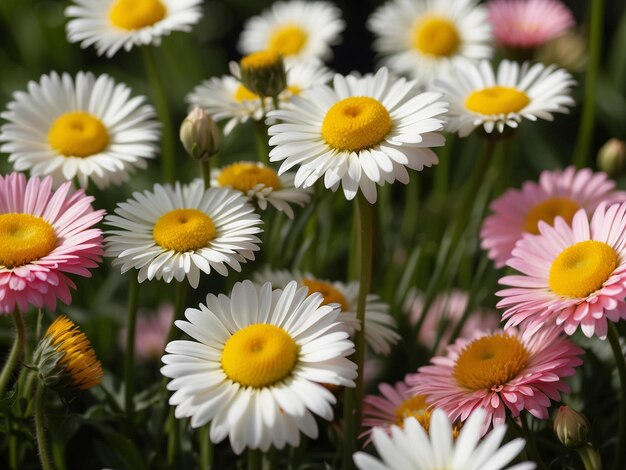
{"x":499,"y":371}
{"x":558,"y":193}
{"x":391,"y":407}
{"x":151,"y":333}
{"x":443,"y":316}
{"x":572,"y":275}
{"x":528,"y":23}
{"x":43,"y":237}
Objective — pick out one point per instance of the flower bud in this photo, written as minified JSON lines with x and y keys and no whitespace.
{"x":263,"y":73}
{"x":200,"y":135}
{"x":612,"y":157}
{"x":590,"y":457}
{"x":568,"y":51}
{"x":571,"y":427}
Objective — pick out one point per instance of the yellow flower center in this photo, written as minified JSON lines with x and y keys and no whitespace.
{"x":287,"y":40}
{"x":356,"y":123}
{"x":547,"y":211}
{"x":416,"y":407}
{"x":294,"y":90}
{"x":260,"y":60}
{"x":243,"y":94}
{"x":330,"y":293}
{"x":136,"y":14}
{"x":259,"y":355}
{"x":79,"y":357}
{"x":436,"y":36}
{"x":497,"y":100}
{"x":78,"y":134}
{"x":582,"y":269}
{"x":490,"y":362}
{"x":184,"y":230}
{"x":245,"y":176}
{"x":24,"y":238}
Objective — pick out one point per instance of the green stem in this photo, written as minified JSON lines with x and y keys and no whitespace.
{"x":585,"y":132}
{"x":530,"y":444}
{"x":262,"y":142}
{"x":590,"y":457}
{"x":354,"y":397}
{"x":162,"y":107}
{"x":254,"y":459}
{"x":442,"y":170}
{"x":173,"y":438}
{"x":275,"y":102}
{"x":620,"y":361}
{"x":206,"y":173}
{"x":206,"y":447}
{"x":16,"y":351}
{"x":129,"y":359}
{"x":40,"y":428}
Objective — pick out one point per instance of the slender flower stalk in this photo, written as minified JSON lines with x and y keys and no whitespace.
{"x":620,"y":457}
{"x":531,"y":446}
{"x":354,"y":397}
{"x":40,"y":428}
{"x":585,"y":133}
{"x":16,"y":351}
{"x":206,"y":447}
{"x":262,"y":141}
{"x":129,"y":359}
{"x":206,"y":173}
{"x":168,"y":163}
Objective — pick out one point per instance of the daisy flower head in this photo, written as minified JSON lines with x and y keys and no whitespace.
{"x":493,"y":101}
{"x":261,"y":184}
{"x":173,"y":232}
{"x":499,"y":371}
{"x":361,"y":132}
{"x":411,"y":446}
{"x":528,"y":23}
{"x":444,"y":314}
{"x":88,"y":128}
{"x":380,"y":326}
{"x":394,"y":404}
{"x":557,"y":193}
{"x":423,"y":39}
{"x":255,"y":365}
{"x":297,"y":30}
{"x":44,"y":236}
{"x":111,"y":25}
{"x":570,"y":274}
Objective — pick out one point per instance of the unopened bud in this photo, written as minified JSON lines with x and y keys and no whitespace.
{"x":568,"y":51}
{"x":571,"y":427}
{"x":200,"y":135}
{"x":263,"y":73}
{"x":590,"y":457}
{"x":612,"y":157}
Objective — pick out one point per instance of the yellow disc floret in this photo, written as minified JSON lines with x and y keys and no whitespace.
{"x":136,"y":14}
{"x":78,"y":357}
{"x":259,"y":355}
{"x":497,"y":100}
{"x":490,"y":362}
{"x":184,"y":230}
{"x":260,"y":60}
{"x":549,"y":210}
{"x":78,"y":134}
{"x":436,"y":36}
{"x":328,"y":291}
{"x":244,"y":176}
{"x":24,"y":238}
{"x":416,"y":407}
{"x":243,"y":94}
{"x":287,"y":40}
{"x":356,"y":123}
{"x":582,"y":269}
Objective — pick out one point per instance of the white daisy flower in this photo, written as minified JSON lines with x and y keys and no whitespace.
{"x":256,"y":365}
{"x":262,"y":185}
{"x":366,"y":130}
{"x":297,"y":30}
{"x":411,"y":447}
{"x":479,"y":96}
{"x":177,"y":231}
{"x":228,"y":98}
{"x":88,"y":128}
{"x":380,"y":326}
{"x":424,"y":38}
{"x":111,"y":25}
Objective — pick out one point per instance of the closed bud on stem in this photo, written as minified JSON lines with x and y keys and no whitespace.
{"x":590,"y":457}
{"x":263,"y":73}
{"x":568,"y":51}
{"x":571,"y":427}
{"x":612,"y":157}
{"x":200,"y":135}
